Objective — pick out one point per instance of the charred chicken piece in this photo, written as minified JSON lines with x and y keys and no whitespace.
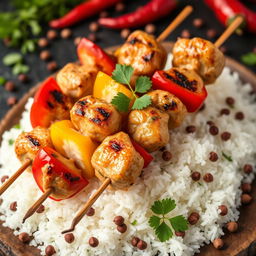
{"x":170,"y":104}
{"x":95,"y":118}
{"x":143,"y":53}
{"x":149,"y":127}
{"x":199,"y":55}
{"x":117,"y":159}
{"x":29,"y":143}
{"x":76,"y":80}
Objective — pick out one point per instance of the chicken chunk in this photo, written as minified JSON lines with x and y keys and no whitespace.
{"x":149,"y":127}
{"x":95,"y":118}
{"x":76,"y":80}
{"x":143,"y":53}
{"x":117,"y":159}
{"x":199,"y":55}
{"x":170,"y":104}
{"x":29,"y":143}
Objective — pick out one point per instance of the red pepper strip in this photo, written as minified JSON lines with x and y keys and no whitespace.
{"x":193,"y":100}
{"x":48,"y":157}
{"x":227,"y":10}
{"x":82,"y":11}
{"x":89,"y":52}
{"x":153,"y":10}
{"x":146,"y":156}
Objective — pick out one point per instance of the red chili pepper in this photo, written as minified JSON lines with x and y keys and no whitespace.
{"x":82,"y":11}
{"x":46,"y":102}
{"x":227,"y":10}
{"x":153,"y":10}
{"x":89,"y":52}
{"x":146,"y":156}
{"x":190,"y":91}
{"x":50,"y":169}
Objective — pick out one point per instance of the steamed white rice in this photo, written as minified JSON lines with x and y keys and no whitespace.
{"x":160,"y":180}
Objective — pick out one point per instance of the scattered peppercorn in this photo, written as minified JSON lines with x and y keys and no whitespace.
{"x":246,"y":187}
{"x":135,"y":241}
{"x":24,"y":237}
{"x":13,"y":206}
{"x":190,"y":129}
{"x":121,"y":228}
{"x":23,"y":78}
{"x":94,"y":26}
{"x":214,"y":130}
{"x":180,"y":233}
{"x":232,"y":226}
{"x":51,"y":34}
{"x":223,"y":210}
{"x":185,"y":33}
{"x":90,"y":212}
{"x":65,"y":33}
{"x":125,"y":33}
{"x":218,"y":243}
{"x":230,"y":101}
{"x":4,"y":178}
{"x":208,"y":177}
{"x":119,"y":220}
{"x":92,"y":37}
{"x":195,"y":176}
{"x":142,"y":245}
{"x":103,"y":14}
{"x":52,"y":66}
{"x":77,"y":40}
{"x":49,"y":250}
{"x":211,"y":33}
{"x":40,"y":209}
{"x":224,"y":111}
{"x":213,"y":156}
{"x":247,"y":168}
{"x":93,"y":242}
{"x":69,"y":238}
{"x":45,"y":55}
{"x":167,"y":155}
{"x":198,"y":22}
{"x":193,"y":218}
{"x":246,"y":198}
{"x":43,"y":42}
{"x":210,"y":123}
{"x":11,"y":101}
{"x":120,"y":7}
{"x":9,"y":86}
{"x":150,"y":28}
{"x":225,"y":136}
{"x":239,"y":116}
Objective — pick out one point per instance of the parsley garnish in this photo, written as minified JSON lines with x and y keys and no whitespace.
{"x":15,"y":60}
{"x":249,"y":59}
{"x":2,"y":80}
{"x":10,"y":141}
{"x":229,"y":158}
{"x":17,"y":126}
{"x":162,"y":230}
{"x":122,"y":74}
{"x":134,"y":223}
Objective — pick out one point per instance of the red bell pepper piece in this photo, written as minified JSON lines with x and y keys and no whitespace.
{"x":189,"y":90}
{"x":88,"y":53}
{"x":47,"y":99}
{"x":49,"y":168}
{"x":82,"y":11}
{"x":227,"y":10}
{"x":152,"y":11}
{"x":146,"y":156}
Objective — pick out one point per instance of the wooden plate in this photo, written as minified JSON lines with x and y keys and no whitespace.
{"x":240,"y":243}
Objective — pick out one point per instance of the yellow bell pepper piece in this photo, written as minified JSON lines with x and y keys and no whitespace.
{"x":73,"y":145}
{"x":106,"y":88}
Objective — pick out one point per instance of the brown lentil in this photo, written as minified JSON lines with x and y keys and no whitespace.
{"x":23,"y":78}
{"x":92,"y":37}
{"x":43,"y":42}
{"x":4,"y":178}
{"x":94,"y":26}
{"x":166,"y":155}
{"x":180,"y":233}
{"x":125,"y":33}
{"x":232,"y":226}
{"x":198,"y":22}
{"x":230,"y":101}
{"x":45,"y":55}
{"x":135,"y":241}
{"x":11,"y":101}
{"x":223,"y":210}
{"x":119,"y":220}
{"x":218,"y":243}
{"x":214,"y":130}
{"x":210,"y":123}
{"x":190,"y":129}
{"x":120,"y":7}
{"x":185,"y":33}
{"x":142,"y":245}
{"x":69,"y":238}
{"x":52,"y":66}
{"x":51,"y":34}
{"x":150,"y":28}
{"x":195,"y":176}
{"x":246,"y":198}
{"x":90,"y":212}
{"x":225,"y":136}
{"x":224,"y":111}
{"x":121,"y":228}
{"x":13,"y":206}
{"x":193,"y":218}
{"x":40,"y":209}
{"x":246,"y":187}
{"x":239,"y":116}
{"x":208,"y":177}
{"x":93,"y":242}
{"x":24,"y":237}
{"x":77,"y":40}
{"x":247,"y":168}
{"x":9,"y":86}
{"x":49,"y":250}
{"x":213,"y":156}
{"x":103,"y":14}
{"x":65,"y":33}
{"x":211,"y":33}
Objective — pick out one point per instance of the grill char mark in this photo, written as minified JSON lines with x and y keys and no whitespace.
{"x":148,"y":57}
{"x":34,"y":141}
{"x":115,"y":145}
{"x":58,"y":96}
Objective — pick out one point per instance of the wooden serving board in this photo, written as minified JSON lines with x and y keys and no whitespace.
{"x":241,"y":243}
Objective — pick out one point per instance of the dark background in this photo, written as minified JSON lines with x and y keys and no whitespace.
{"x":64,"y":50}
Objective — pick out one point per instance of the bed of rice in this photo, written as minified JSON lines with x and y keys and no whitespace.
{"x":160,"y":180}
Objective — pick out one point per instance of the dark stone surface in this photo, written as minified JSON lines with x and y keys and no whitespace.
{"x":63,"y":50}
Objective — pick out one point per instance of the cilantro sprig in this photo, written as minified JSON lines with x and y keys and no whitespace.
{"x":122,"y":74}
{"x":164,"y":226}
{"x":249,"y":59}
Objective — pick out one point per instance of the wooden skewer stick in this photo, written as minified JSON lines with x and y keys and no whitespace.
{"x":175,"y":23}
{"x":229,"y":31}
{"x":89,"y":203}
{"x":37,"y":204}
{"x":9,"y":182}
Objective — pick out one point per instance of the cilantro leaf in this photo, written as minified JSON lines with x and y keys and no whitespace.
{"x":122,"y":74}
{"x":134,"y":223}
{"x":229,"y":158}
{"x":17,"y":126}
{"x":142,"y":102}
{"x":10,"y":142}
{"x":20,"y":69}
{"x":2,"y":80}
{"x":154,"y":221}
{"x":143,"y":84}
{"x":121,"y":101}
{"x":179,"y":223}
{"x":163,"y":232}
{"x":249,"y":59}
{"x":164,"y":206}
{"x":11,"y":59}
